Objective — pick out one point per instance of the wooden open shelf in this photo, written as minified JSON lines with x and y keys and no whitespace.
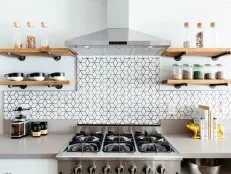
{"x":214,"y":53}
{"x":211,"y":83}
{"x":23,"y":84}
{"x":21,"y":53}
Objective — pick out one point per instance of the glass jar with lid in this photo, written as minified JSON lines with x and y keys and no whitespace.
{"x":177,"y":71}
{"x":219,"y":71}
{"x":198,"y":71}
{"x":209,"y":71}
{"x":187,"y":71}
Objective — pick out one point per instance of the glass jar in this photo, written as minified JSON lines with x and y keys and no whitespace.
{"x":44,"y":36}
{"x":198,"y":71}
{"x":209,"y":71}
{"x":17,"y":35}
{"x":177,"y":71}
{"x":30,"y":36}
{"x":187,"y":71}
{"x":219,"y":71}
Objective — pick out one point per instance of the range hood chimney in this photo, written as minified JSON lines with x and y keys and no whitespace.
{"x":118,"y":38}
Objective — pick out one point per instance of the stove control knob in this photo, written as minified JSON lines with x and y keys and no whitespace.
{"x":91,"y":169}
{"x":160,"y":169}
{"x":146,"y":169}
{"x":132,"y":169}
{"x":106,"y":169}
{"x":77,"y":169}
{"x":119,"y":169}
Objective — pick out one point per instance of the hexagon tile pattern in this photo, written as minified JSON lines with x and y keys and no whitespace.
{"x":116,"y":90}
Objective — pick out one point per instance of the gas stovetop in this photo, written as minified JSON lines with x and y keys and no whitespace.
{"x":120,"y":150}
{"x":118,"y":141}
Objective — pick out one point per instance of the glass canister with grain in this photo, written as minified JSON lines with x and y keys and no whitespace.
{"x":198,"y":71}
{"x":209,"y":71}
{"x":187,"y":71}
{"x":177,"y":71}
{"x":219,"y":72}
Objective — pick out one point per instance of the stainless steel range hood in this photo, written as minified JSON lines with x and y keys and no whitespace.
{"x":118,"y":39}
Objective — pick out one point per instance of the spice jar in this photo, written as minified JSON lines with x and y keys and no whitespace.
{"x":177,"y":71}
{"x":30,"y":37}
{"x":198,"y":71}
{"x":187,"y":71}
{"x":209,"y":71}
{"x":219,"y":71}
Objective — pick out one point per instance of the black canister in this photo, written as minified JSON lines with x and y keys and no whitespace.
{"x":35,"y":129}
{"x":44,"y":127}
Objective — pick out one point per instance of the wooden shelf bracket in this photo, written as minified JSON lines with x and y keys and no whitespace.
{"x":178,"y":57}
{"x":214,"y":58}
{"x":21,"y":58}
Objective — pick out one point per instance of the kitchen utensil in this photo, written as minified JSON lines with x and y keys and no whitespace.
{"x":57,"y":76}
{"x":20,"y":127}
{"x":15,"y":76}
{"x":38,"y":76}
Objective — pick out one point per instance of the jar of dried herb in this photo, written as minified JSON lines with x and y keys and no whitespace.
{"x":198,"y":71}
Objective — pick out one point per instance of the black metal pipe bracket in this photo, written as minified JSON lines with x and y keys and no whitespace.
{"x":57,"y":58}
{"x":214,"y":58}
{"x":178,"y":57}
{"x":178,"y":86}
{"x":21,"y":58}
{"x":56,"y":86}
{"x":20,"y":86}
{"x":212,"y":86}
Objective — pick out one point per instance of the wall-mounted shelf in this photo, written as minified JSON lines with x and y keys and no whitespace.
{"x":23,"y":84}
{"x":211,"y":83}
{"x":55,"y":53}
{"x":214,"y":53}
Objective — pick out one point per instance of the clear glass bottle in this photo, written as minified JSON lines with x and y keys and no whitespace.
{"x":44,"y":36}
{"x":17,"y":35}
{"x":30,"y":36}
{"x":208,"y":71}
{"x":187,"y":36}
{"x":187,"y":71}
{"x":198,"y":71}
{"x":177,"y":71}
{"x":213,"y":35}
{"x":219,"y":71}
{"x":199,"y":36}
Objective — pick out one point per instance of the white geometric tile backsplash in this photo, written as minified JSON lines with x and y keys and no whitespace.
{"x":115,"y":90}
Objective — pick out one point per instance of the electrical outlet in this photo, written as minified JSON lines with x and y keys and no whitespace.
{"x":171,"y":109}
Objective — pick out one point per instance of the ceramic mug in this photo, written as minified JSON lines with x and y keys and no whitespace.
{"x":57,"y":76}
{"x":14,"y":76}
{"x":38,"y":76}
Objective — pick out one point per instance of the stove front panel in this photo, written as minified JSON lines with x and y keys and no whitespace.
{"x":118,"y":167}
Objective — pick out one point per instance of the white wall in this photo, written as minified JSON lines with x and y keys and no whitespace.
{"x":65,"y":18}
{"x":165,"y":19}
